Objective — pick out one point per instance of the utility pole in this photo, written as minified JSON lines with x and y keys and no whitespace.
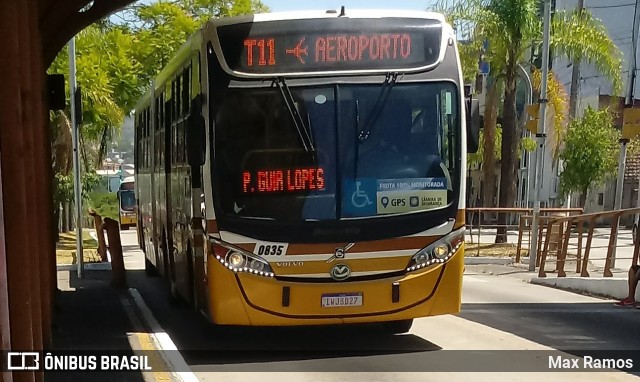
{"x":77,"y":189}
{"x":628,"y":103}
{"x":541,"y":136}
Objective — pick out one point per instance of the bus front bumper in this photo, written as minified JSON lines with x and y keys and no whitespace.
{"x":247,"y":299}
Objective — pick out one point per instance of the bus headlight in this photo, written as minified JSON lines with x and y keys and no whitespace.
{"x":239,"y":260}
{"x":235,"y":259}
{"x":441,"y":251}
{"x":438,"y":251}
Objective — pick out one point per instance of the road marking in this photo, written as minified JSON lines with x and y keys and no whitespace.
{"x":142,"y":344}
{"x":163,"y":342}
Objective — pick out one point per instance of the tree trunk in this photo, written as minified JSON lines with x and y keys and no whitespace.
{"x":489,"y":158}
{"x":575,"y":77}
{"x":118,"y":275}
{"x":66,"y":222}
{"x":509,"y":150}
{"x":102,"y":245}
{"x":583,"y":198}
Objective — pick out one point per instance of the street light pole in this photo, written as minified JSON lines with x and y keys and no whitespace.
{"x":540,"y":136}
{"x":77,"y":190}
{"x":628,"y":103}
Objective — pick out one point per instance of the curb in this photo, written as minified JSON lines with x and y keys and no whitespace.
{"x":169,"y":352}
{"x":488,"y":260}
{"x":87,"y":267}
{"x":611,"y":287}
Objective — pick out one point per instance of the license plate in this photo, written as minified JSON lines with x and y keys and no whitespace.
{"x":336,"y":300}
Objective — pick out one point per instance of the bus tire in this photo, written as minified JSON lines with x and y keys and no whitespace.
{"x":149,"y":268}
{"x":397,"y":327}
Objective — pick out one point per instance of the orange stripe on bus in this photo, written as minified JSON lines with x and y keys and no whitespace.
{"x":397,"y":244}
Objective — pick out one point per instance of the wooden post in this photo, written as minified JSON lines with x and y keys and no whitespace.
{"x":520,"y":228}
{"x":585,"y":260}
{"x":28,"y":102}
{"x":579,"y":253}
{"x":541,"y":272}
{"x":42,"y":168}
{"x":613,"y":240}
{"x":102,"y":245}
{"x":538,"y":254}
{"x":479,"y":225}
{"x":562,"y":256}
{"x":636,"y":252}
{"x":14,"y":189}
{"x":118,"y":275}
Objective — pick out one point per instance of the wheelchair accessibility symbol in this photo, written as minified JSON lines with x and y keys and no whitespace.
{"x":359,"y":198}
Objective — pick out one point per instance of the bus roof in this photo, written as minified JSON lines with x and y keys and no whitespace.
{"x":350,"y":13}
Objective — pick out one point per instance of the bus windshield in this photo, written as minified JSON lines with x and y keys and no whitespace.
{"x":127,"y":200}
{"x":375,"y":154}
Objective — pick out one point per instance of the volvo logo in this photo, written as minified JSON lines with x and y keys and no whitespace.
{"x":340,"y":272}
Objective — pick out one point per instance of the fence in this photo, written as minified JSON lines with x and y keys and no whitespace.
{"x":618,"y":246}
{"x":565,"y":236}
{"x":483,"y":227}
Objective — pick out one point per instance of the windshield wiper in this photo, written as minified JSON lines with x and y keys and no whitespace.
{"x":303,"y":130}
{"x":385,"y":90}
{"x":387,"y":85}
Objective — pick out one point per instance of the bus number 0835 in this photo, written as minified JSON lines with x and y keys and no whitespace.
{"x":270,"y":249}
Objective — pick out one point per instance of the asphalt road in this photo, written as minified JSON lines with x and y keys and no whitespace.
{"x":501,"y":315}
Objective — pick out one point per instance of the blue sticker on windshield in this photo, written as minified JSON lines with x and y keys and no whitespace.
{"x":358,"y":197}
{"x":410,"y":195}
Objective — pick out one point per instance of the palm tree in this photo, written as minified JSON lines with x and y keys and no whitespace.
{"x":511,"y":27}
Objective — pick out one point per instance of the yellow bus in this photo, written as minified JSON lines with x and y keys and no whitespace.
{"x":127,"y":203}
{"x":309,"y":169}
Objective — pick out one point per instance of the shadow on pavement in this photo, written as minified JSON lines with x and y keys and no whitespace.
{"x":91,"y":317}
{"x":563,"y":326}
{"x":200,"y":342}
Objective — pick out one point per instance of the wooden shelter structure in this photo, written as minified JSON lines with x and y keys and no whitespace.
{"x":32,"y":32}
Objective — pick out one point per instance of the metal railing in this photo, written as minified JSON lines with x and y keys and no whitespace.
{"x":573,"y":245}
{"x":483,"y":226}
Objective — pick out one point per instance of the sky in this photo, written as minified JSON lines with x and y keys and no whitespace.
{"x":292,"y":5}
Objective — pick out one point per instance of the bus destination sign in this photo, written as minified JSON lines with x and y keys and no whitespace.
{"x":280,"y":47}
{"x":283,"y":180}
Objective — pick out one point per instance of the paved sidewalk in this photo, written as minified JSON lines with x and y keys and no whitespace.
{"x":612,"y":287}
{"x":89,"y":315}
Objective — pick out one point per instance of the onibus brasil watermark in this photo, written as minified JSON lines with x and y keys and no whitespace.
{"x":47,"y":361}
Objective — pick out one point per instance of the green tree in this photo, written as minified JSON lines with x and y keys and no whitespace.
{"x":160,"y":28}
{"x":115,"y":63}
{"x":590,"y":153}
{"x":511,"y":28}
{"x":107,"y":74}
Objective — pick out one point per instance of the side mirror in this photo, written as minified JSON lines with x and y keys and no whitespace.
{"x":196,"y":137}
{"x":473,"y":124}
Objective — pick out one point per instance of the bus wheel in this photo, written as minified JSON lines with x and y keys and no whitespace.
{"x":397,"y":327}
